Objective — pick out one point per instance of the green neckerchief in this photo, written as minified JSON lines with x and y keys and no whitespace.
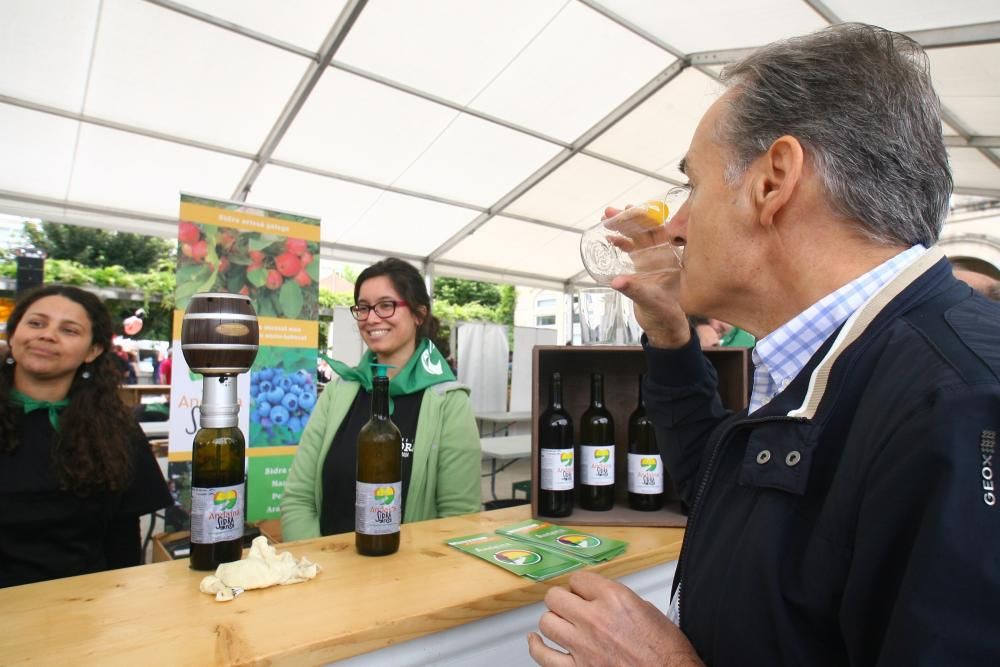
{"x":30,"y":405}
{"x":737,"y":337}
{"x":425,"y":368}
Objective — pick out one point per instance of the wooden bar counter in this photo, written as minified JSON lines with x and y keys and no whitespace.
{"x":132,"y":394}
{"x":155,"y":614}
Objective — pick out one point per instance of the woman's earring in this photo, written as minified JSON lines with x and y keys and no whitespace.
{"x":86,"y":372}
{"x":10,"y":361}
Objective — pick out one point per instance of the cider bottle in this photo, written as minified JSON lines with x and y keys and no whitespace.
{"x":218,"y":479}
{"x":555,"y":455}
{"x":378,"y":499}
{"x":645,"y":467}
{"x":597,"y":451}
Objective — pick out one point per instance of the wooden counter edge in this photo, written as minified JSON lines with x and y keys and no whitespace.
{"x":522,"y":593}
{"x":30,"y":607}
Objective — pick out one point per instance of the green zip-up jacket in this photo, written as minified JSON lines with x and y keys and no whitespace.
{"x":444,"y":480}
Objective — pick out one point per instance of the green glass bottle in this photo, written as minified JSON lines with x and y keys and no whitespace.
{"x":597,"y":451}
{"x":555,"y":453}
{"x":378,"y":497}
{"x":645,"y":467}
{"x":218,"y":479}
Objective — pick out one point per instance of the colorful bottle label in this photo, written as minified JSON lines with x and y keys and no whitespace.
{"x":216,"y":514}
{"x":378,"y":508}
{"x":645,"y":473}
{"x":556,"y":469}
{"x":597,"y":465}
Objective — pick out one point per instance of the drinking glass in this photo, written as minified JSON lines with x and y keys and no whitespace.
{"x":633,"y":242}
{"x":600,"y":315}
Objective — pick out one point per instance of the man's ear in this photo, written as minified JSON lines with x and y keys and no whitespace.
{"x":779,"y":171}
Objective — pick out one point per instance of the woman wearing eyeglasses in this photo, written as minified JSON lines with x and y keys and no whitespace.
{"x":441,"y":452}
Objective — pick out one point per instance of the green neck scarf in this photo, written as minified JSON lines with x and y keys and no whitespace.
{"x":425,"y":368}
{"x":737,"y":337}
{"x":30,"y":405}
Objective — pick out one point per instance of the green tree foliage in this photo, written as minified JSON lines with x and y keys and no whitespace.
{"x":91,"y":247}
{"x":458,"y":300}
{"x":328,"y":299}
{"x":349,"y":274}
{"x":461,"y":292}
{"x":508,"y":301}
{"x":156,"y":286}
{"x":449,"y":314}
{"x":455,"y":300}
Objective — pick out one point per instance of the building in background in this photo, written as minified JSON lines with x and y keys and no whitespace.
{"x":334,"y":281}
{"x":970,"y":238}
{"x":548,"y":309}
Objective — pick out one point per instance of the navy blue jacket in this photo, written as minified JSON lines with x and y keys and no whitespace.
{"x":855,"y":523}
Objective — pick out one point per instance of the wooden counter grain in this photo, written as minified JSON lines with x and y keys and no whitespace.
{"x":154,"y":614}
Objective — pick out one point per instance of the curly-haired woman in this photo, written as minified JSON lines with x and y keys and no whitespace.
{"x":76,"y":471}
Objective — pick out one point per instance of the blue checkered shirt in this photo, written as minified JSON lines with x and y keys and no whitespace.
{"x":779,"y":356}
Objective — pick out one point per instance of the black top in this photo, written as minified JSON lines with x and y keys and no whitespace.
{"x":340,"y":467}
{"x":122,"y":365}
{"x":46,"y":533}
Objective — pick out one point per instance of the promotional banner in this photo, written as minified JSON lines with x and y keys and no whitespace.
{"x":272,"y":257}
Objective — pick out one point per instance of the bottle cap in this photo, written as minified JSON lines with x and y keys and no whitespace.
{"x":381,"y":370}
{"x":219,"y":416}
{"x":219,"y":402}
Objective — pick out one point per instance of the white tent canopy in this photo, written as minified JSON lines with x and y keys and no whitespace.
{"x":476,"y":137}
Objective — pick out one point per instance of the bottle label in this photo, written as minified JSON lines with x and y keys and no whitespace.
{"x":378,"y":508}
{"x":597,"y":465}
{"x":557,"y":469}
{"x":645,"y":473}
{"x":216,"y":513}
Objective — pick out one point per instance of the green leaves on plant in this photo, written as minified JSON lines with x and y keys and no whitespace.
{"x":291,"y":299}
{"x":257,"y":277}
{"x":262,"y":241}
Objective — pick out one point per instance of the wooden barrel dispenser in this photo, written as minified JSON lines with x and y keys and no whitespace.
{"x":219,"y":334}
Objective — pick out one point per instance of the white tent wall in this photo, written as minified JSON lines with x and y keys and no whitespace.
{"x":343,"y":339}
{"x":463,"y":136}
{"x":525,"y":339}
{"x":483,"y":356}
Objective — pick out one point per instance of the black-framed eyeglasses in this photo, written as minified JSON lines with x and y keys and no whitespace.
{"x":384,"y":309}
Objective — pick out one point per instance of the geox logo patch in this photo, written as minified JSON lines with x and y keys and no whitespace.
{"x":987,"y":443}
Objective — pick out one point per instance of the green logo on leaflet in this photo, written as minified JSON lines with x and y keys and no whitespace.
{"x":227,"y":499}
{"x":602,"y":455}
{"x":384,"y":495}
{"x":517,"y":557}
{"x":579,"y":541}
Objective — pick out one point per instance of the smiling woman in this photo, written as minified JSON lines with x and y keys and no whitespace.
{"x":440,"y":442}
{"x":76,"y":472}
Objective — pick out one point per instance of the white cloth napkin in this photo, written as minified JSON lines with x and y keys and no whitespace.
{"x":263,"y":567}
